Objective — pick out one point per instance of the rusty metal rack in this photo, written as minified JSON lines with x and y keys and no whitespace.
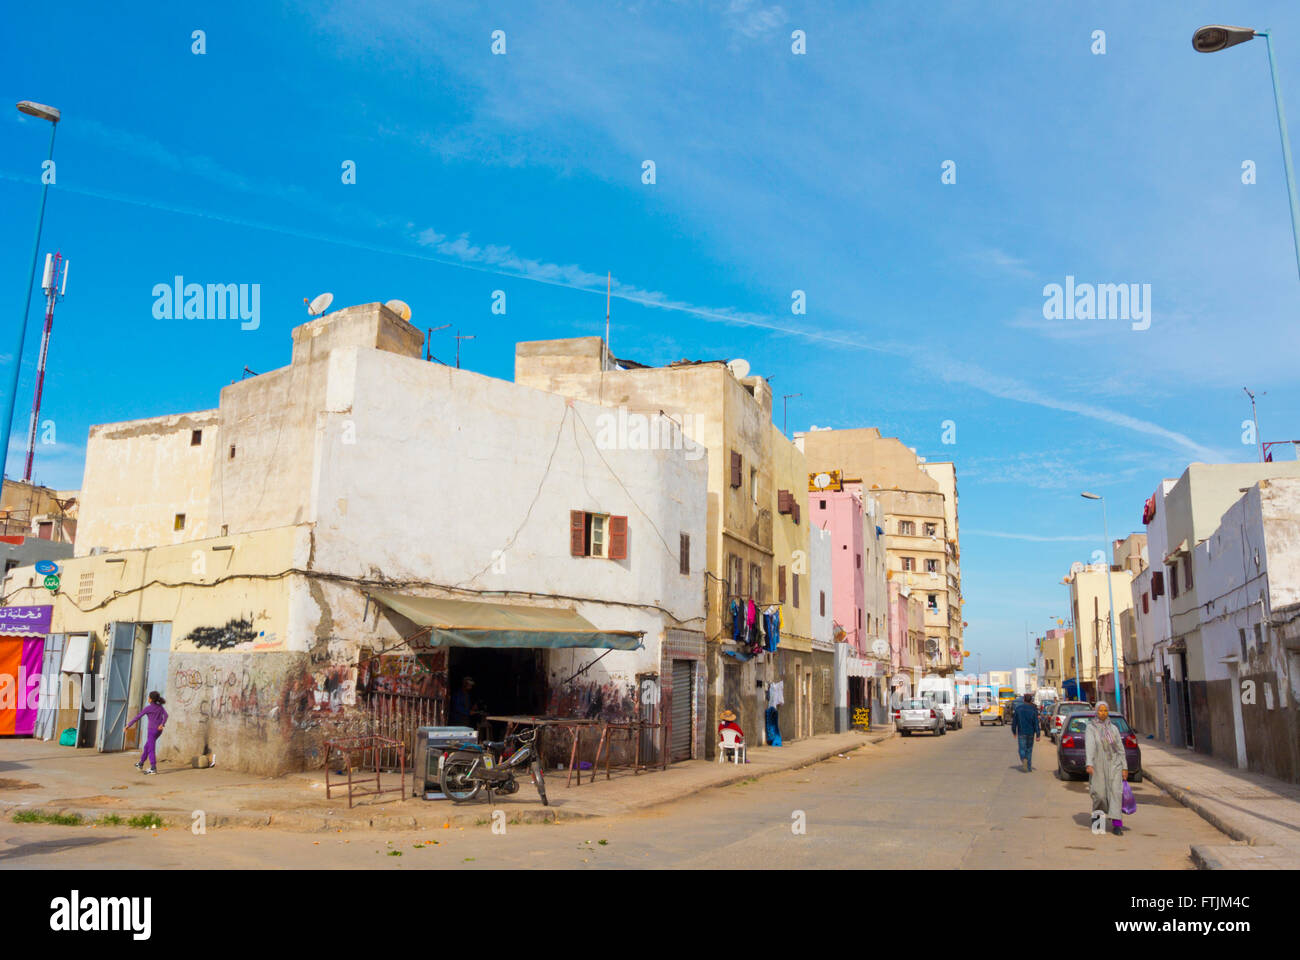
{"x":369,"y":749}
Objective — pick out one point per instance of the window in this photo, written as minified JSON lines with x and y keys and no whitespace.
{"x":859,"y":619}
{"x":821,"y":504}
{"x":906,"y":528}
{"x":931,"y":529}
{"x":736,"y":571}
{"x":597,"y":535}
{"x":10,"y":564}
{"x":735,"y":469}
{"x":858,"y":560}
{"x":1241,"y":636}
{"x":822,"y":596}
{"x":45,"y":530}
{"x":1145,"y":607}
{"x":1173,"y":579}
{"x":780,"y":583}
{"x":755,"y":581}
{"x":178,"y":523}
{"x":932,"y":601}
{"x":753,"y":484}
{"x":784,"y":501}
{"x":1187,"y":572}
{"x":1157,"y":584}
{"x":1259,"y":637}
{"x":232,"y":451}
{"x":196,"y":438}
{"x":909,"y":563}
{"x":794,"y":588}
{"x":685,"y":559}
{"x":931,"y":566}
{"x":225,"y":529}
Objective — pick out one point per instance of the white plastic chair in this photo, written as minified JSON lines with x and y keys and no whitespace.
{"x":731,"y":740}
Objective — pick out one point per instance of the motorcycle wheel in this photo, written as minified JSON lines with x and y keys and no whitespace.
{"x":539,"y":779}
{"x":454,"y":784}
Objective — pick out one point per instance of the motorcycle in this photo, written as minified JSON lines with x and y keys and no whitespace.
{"x":470,"y":768}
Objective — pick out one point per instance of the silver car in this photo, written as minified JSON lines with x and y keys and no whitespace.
{"x":917,"y":715}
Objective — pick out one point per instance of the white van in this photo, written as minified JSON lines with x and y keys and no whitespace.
{"x":942,"y":693}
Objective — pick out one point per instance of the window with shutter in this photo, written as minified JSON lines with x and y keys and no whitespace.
{"x":822,"y":598}
{"x":1173,"y":579}
{"x":577,"y":533}
{"x":1145,"y":607}
{"x":1157,"y":584}
{"x":784,"y":501}
{"x":794,"y":588}
{"x":685,"y":553}
{"x":795,"y":511}
{"x":780,"y":583}
{"x":1187,"y":570}
{"x":617,"y":538}
{"x":735,"y":469}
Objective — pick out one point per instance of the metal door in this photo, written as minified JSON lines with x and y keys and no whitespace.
{"x":1187,"y":701}
{"x":119,"y":649}
{"x":683,"y":689}
{"x":159,"y":652}
{"x":47,"y":708}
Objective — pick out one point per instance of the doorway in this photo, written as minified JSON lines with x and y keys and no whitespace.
{"x":507,"y":682}
{"x":1187,"y":701}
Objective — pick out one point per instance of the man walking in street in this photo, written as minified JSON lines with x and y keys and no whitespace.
{"x":1024,"y":724}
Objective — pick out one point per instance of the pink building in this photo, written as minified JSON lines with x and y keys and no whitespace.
{"x":840,"y":512}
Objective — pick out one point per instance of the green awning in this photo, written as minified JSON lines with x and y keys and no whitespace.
{"x":471,"y":623}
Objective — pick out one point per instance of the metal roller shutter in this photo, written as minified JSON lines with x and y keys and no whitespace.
{"x":683,"y":694}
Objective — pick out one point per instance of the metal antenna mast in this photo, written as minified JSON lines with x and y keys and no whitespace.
{"x":55,"y":283}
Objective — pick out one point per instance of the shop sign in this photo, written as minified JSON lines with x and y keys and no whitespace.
{"x":31,"y":620}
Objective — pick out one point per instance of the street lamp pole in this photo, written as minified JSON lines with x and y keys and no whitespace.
{"x":1211,"y":39}
{"x":1110,"y":591}
{"x":51,"y":114}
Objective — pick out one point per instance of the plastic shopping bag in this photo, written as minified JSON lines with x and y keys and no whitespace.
{"x":1128,"y":802}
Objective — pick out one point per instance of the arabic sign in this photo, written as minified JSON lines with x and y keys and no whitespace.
{"x":52,"y":583}
{"x":30,"y":620}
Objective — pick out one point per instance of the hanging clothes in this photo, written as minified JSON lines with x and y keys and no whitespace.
{"x":737,"y":622}
{"x":772,"y":625}
{"x":773,"y":729}
{"x":776,"y":694}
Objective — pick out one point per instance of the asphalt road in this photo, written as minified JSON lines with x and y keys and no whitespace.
{"x":958,"y":801}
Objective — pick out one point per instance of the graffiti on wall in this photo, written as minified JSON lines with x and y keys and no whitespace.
{"x":232,"y":634}
{"x":405,"y":675}
{"x":593,"y":701}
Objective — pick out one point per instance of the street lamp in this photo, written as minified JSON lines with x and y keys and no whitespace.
{"x":1216,"y":37}
{"x":1110,"y":590}
{"x":42,"y":112}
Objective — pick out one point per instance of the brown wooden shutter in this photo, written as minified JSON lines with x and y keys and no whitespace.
{"x":617,"y":538}
{"x":780,"y":583}
{"x":577,"y":533}
{"x":784,"y":502}
{"x":795,"y":511}
{"x":735,"y":469}
{"x":794,"y":587}
{"x":1158,"y":584}
{"x":685,"y":561}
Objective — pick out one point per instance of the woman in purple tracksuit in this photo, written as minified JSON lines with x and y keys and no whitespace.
{"x":157,"y":717}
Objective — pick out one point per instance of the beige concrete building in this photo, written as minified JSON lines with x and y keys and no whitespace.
{"x":31,"y":510}
{"x":1090,"y":604}
{"x":920,"y":522}
{"x":730,"y":417}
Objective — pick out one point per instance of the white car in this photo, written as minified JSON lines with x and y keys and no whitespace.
{"x":942,"y":693}
{"x":916,"y":715}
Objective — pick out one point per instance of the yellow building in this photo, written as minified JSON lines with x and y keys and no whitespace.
{"x":1090,"y":603}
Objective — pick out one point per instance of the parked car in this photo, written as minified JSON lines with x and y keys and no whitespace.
{"x":1063,"y":713}
{"x":918,"y":714}
{"x":1071,"y":753}
{"x":992,"y":714}
{"x":1045,"y":717}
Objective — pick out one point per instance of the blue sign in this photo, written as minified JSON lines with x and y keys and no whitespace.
{"x":45,"y":567}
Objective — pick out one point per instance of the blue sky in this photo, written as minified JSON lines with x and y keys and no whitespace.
{"x":774,"y":172}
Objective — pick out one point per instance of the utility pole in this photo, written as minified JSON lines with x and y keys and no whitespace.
{"x":1255,"y":417}
{"x":56,"y":268}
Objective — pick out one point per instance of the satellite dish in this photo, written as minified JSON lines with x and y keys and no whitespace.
{"x":740,"y":368}
{"x":880,"y":648}
{"x":822,"y":481}
{"x":399,"y":307}
{"x":320,"y":304}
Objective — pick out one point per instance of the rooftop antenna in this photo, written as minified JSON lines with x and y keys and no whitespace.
{"x":784,"y":411}
{"x":459,"y":338}
{"x":54,"y":281}
{"x":249,"y":373}
{"x":428,"y":337}
{"x":1255,"y":417}
{"x":604,"y":361}
{"x":319,"y":305}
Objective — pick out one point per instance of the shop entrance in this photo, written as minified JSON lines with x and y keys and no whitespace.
{"x":507,"y":682}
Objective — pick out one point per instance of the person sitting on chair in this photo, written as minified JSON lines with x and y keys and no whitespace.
{"x":727,"y":721}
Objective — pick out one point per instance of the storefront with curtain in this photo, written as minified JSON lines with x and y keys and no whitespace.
{"x":23,"y":630}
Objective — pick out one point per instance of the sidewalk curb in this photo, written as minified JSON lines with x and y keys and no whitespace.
{"x":315,"y":823}
{"x":1205,"y":859}
{"x":1195,"y":805}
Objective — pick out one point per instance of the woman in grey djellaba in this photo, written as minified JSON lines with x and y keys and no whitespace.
{"x":1107,"y":769}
